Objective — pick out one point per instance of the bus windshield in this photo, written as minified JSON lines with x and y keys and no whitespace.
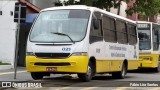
{"x":71,"y":26}
{"x":144,"y":39}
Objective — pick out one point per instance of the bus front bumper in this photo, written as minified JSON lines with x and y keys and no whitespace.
{"x":73,"y":64}
{"x":148,"y":60}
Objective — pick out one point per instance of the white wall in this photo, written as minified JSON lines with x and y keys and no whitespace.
{"x":158,"y":19}
{"x":122,"y":9}
{"x":7,"y":31}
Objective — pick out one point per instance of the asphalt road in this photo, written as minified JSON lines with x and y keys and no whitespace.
{"x":143,"y":78}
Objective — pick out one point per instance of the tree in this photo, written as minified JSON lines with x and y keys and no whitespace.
{"x":103,"y":4}
{"x":74,"y":2}
{"x":148,"y":8}
{"x":58,"y":3}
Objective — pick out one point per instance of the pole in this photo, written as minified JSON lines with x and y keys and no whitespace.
{"x":17,"y":42}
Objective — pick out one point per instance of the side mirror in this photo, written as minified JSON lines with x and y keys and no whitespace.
{"x":96,"y":23}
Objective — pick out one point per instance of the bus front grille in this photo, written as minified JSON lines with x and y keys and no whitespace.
{"x":52,"y":64}
{"x":52,"y":55}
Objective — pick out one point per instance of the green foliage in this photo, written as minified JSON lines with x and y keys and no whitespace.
{"x":58,"y":3}
{"x":103,"y":4}
{"x":73,"y":2}
{"x":146,"y":7}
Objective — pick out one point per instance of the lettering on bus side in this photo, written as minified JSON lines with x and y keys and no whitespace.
{"x":119,"y":48}
{"x":117,"y":55}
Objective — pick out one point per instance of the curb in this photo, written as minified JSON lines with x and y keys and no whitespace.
{"x":4,"y":67}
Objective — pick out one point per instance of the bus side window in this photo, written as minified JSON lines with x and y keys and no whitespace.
{"x":121,"y":32}
{"x":159,"y":34}
{"x":109,"y":29}
{"x":155,"y":38}
{"x":96,"y":33}
{"x":132,"y":34}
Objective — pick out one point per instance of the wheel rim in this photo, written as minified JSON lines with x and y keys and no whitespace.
{"x":123,"y":71}
{"x":89,"y":71}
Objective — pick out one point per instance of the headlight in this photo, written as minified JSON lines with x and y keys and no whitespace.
{"x":79,"y":54}
{"x":29,"y":54}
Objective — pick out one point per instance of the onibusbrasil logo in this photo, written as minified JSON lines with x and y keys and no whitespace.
{"x":21,"y":85}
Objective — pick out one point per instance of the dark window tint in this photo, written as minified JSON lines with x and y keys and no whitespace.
{"x":121,"y":32}
{"x":132,"y":34}
{"x":79,"y":14}
{"x":155,"y":37}
{"x":109,"y":29}
{"x":96,"y":33}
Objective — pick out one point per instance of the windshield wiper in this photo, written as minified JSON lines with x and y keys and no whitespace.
{"x":64,"y":35}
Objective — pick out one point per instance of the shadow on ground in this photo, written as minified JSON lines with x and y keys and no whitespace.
{"x":144,"y":70}
{"x":70,"y":81}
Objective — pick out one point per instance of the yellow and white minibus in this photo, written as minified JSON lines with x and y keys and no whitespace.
{"x":81,"y":40}
{"x":149,"y":50}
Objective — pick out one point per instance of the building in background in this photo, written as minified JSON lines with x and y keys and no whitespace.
{"x":8,"y":29}
{"x":31,"y":12}
{"x":123,"y":7}
{"x":42,"y":3}
{"x":158,"y":19}
{"x":134,"y":15}
{"x":31,"y":8}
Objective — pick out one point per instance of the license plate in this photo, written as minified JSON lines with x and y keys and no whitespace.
{"x":52,"y":69}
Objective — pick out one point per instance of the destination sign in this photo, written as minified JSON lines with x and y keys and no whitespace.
{"x":143,"y":26}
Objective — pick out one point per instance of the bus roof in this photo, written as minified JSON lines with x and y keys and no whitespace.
{"x":84,"y":7}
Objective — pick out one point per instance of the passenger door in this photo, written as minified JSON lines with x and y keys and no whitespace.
{"x":96,"y":46}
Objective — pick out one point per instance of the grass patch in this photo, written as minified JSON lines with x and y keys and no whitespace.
{"x":1,"y":63}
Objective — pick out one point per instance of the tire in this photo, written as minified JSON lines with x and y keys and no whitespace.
{"x":86,"y":77}
{"x":36,"y":75}
{"x":156,"y":69}
{"x":121,"y":74}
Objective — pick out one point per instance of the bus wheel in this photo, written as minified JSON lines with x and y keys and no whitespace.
{"x":156,"y":69}
{"x":36,"y":75}
{"x":121,"y":74}
{"x":87,"y":76}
